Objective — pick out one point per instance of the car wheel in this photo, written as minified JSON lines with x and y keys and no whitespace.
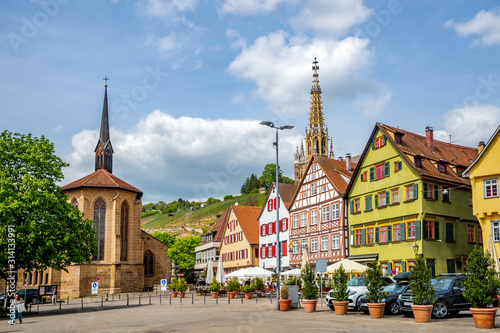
{"x":331,"y":307}
{"x":358,"y":304}
{"x":407,"y":313}
{"x":366,"y":311}
{"x":393,"y":308}
{"x":440,"y":310}
{"x":34,"y":300}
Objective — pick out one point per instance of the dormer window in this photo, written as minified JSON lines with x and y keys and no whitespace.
{"x":442,"y":167}
{"x":398,"y":137}
{"x":460,"y":171}
{"x":418,"y":162}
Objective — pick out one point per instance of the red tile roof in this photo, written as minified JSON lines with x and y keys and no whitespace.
{"x":415,"y":145}
{"x":101,"y":179}
{"x":247,"y":218}
{"x":287,"y":191}
{"x":219,"y":226}
{"x":334,"y":170}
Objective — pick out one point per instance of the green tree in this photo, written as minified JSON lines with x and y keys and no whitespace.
{"x":269,"y":176}
{"x":375,"y":282}
{"x":243,"y":189}
{"x":253,"y":184}
{"x":482,"y":283}
{"x":182,"y":251}
{"x":164,"y":237}
{"x":286,"y":180}
{"x":422,"y":291}
{"x":34,"y":213}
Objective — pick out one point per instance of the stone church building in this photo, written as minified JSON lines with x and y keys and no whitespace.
{"x":127,"y":258}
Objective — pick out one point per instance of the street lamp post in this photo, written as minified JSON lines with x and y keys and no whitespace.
{"x":278,"y":254}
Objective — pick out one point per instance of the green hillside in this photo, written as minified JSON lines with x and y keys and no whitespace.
{"x":197,"y":221}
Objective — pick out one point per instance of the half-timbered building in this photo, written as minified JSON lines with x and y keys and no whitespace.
{"x":318,"y":211}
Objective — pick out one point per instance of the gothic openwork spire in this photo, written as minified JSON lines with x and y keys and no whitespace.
{"x":104,"y":150}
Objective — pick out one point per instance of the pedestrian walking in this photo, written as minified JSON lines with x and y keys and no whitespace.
{"x":18,"y":305}
{"x":54,"y":297}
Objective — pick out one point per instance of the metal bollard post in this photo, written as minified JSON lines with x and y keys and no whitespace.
{"x":102,"y":301}
{"x":241,"y":295}
{"x":217,"y":299}
{"x":60,"y":302}
{"x":160,"y":298}
{"x":127,"y":299}
{"x":256,"y":297}
{"x":107,"y":297}
{"x":149,"y":299}
{"x":134,"y":293}
{"x":119,"y":296}
{"x":170,"y":298}
{"x":180,"y":299}
{"x":112,"y":297}
{"x":204,"y":298}
{"x":81,"y":299}
{"x":67,"y":300}
{"x":228,"y":299}
{"x":156,"y":291}
{"x":192,"y":298}
{"x":139,"y":299}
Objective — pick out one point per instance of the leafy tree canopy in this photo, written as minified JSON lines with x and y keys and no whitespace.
{"x":164,"y":237}
{"x":34,"y":213}
{"x":182,"y":251}
{"x":269,"y":176}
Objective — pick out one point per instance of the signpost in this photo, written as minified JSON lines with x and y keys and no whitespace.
{"x":95,"y":288}
{"x":163,"y":286}
{"x":321,"y":268}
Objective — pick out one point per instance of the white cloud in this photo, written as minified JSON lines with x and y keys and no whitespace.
{"x":248,"y":7}
{"x":238,"y":42}
{"x":470,"y":124}
{"x":186,"y":157}
{"x":167,"y":44}
{"x":331,"y":17}
{"x":280,"y":67}
{"x":486,"y":24}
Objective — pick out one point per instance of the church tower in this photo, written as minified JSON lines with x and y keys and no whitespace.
{"x":104,"y":150}
{"x":316,"y":139}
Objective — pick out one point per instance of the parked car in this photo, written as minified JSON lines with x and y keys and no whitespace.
{"x":449,"y":299}
{"x":30,"y":296}
{"x":201,"y":283}
{"x":391,"y":301}
{"x":357,"y":289}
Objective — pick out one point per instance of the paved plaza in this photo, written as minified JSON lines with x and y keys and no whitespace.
{"x":248,"y":316}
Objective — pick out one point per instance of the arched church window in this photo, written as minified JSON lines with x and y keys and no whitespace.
{"x":124,"y":231}
{"x":149,"y":268}
{"x":99,"y":227}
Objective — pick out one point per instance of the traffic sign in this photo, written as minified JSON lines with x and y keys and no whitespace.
{"x":163,"y":286}
{"x":25,"y":285}
{"x":95,"y":288}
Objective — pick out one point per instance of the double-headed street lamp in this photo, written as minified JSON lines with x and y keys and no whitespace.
{"x":278,"y":254}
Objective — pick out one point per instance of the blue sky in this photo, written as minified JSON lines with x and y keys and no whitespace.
{"x":191,"y":79}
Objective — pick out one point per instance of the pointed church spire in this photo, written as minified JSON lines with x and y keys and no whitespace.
{"x":104,"y":150}
{"x":316,"y":133}
{"x":332,"y":156}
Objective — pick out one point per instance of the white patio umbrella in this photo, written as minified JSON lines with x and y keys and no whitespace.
{"x":350,"y":266}
{"x":250,"y":272}
{"x":493,"y":252}
{"x":292,"y":272}
{"x":210,"y":272}
{"x":221,"y":275}
{"x":305,"y":258}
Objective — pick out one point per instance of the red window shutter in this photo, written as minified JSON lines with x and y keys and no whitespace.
{"x":286,"y":218}
{"x":241,"y":235}
{"x":279,"y":202}
{"x":283,"y":248}
{"x":274,"y":227}
{"x":246,"y":253}
{"x":261,"y":231}
{"x":281,"y":225}
{"x":269,"y":206}
{"x":267,"y":229}
{"x":274,"y":203}
{"x":261,"y":254}
{"x":267,"y":251}
{"x":274,"y":250}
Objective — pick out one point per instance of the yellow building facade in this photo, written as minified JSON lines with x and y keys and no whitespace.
{"x":484,"y":174}
{"x":240,"y":240}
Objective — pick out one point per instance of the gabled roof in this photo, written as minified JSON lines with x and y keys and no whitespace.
{"x":497,"y":132}
{"x":335,"y":171}
{"x":247,"y":218}
{"x":219,"y":226}
{"x":101,"y":178}
{"x":415,"y":145}
{"x":286,"y":194}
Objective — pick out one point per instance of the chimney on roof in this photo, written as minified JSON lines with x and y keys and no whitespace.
{"x":480,"y":147}
{"x":348,"y":162}
{"x":341,"y":158}
{"x":429,"y":137}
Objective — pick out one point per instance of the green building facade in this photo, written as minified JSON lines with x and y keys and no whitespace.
{"x":408,"y":196}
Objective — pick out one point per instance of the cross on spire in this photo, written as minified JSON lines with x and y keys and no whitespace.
{"x":106,"y":79}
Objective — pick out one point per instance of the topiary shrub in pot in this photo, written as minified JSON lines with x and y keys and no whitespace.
{"x":480,"y":287}
{"x":214,"y":287}
{"x":248,"y":290}
{"x":285,"y":302}
{"x":375,"y":285}
{"x":422,"y":293}
{"x":174,"y":285}
{"x":182,"y":287}
{"x":231,"y":287}
{"x":309,"y":288}
{"x":339,"y":290}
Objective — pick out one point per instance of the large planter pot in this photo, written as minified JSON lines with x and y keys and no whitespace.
{"x":484,"y":318}
{"x":310,"y":304}
{"x":214,"y":294}
{"x":340,"y":307}
{"x":376,"y":310}
{"x":248,"y":295}
{"x":174,"y":293}
{"x":232,"y":294}
{"x":182,"y":294}
{"x":422,"y":313}
{"x":285,"y":304}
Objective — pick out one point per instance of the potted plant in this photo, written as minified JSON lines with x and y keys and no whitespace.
{"x":375,"y":285}
{"x":214,"y":287}
{"x":339,"y":290}
{"x":182,"y":287}
{"x":309,"y":288}
{"x":480,"y":287}
{"x":173,"y":287}
{"x":248,"y":290}
{"x":285,"y":302}
{"x":231,"y":287}
{"x":422,"y":293}
{"x":259,"y":284}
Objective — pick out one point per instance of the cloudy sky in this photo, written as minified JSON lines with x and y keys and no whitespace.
{"x":191,"y":79}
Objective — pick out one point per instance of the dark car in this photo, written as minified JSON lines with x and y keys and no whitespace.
{"x":449,"y":298}
{"x":201,"y":283}
{"x":391,"y":301}
{"x":30,"y":295}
